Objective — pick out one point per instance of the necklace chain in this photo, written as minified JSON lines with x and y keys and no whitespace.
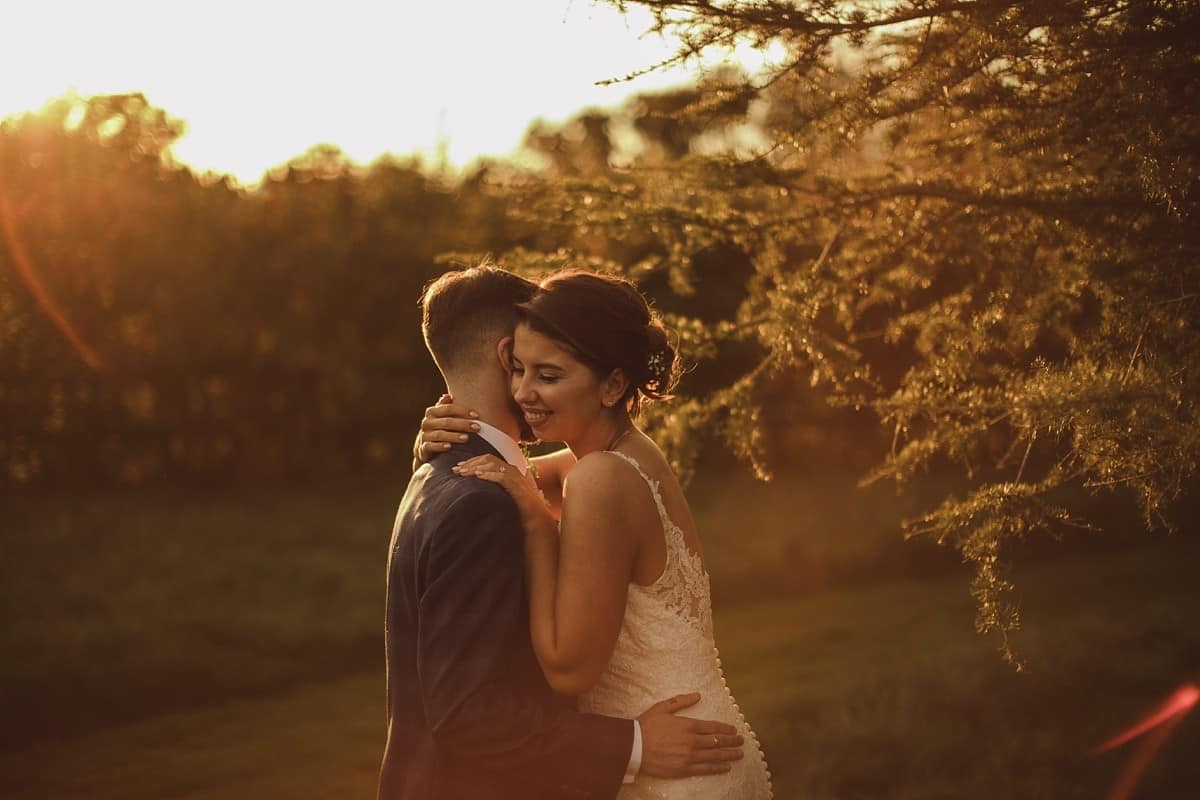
{"x":617,"y":439}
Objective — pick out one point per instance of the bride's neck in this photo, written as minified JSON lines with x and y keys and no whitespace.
{"x":609,"y":431}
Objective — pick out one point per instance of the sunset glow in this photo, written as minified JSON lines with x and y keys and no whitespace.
{"x":258,"y":83}
{"x":893,"y":305}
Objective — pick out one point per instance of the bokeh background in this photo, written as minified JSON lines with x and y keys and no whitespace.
{"x":933,"y":269}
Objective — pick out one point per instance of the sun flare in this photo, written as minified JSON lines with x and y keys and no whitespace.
{"x":259,"y":83}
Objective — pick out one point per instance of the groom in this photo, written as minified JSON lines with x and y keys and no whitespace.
{"x":469,"y":713}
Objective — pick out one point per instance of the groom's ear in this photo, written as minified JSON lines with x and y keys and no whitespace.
{"x":504,"y":353}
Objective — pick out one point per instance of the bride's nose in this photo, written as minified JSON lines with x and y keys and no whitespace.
{"x":521,"y":389}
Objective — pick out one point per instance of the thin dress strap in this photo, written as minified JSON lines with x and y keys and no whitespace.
{"x":653,"y":484}
{"x":683,"y":584}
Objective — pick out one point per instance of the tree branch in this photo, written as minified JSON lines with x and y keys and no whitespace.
{"x":786,"y":17}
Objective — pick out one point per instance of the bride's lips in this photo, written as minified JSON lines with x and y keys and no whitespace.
{"x":535,"y":418}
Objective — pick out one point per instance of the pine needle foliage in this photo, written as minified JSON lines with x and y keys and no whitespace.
{"x":976,"y":221}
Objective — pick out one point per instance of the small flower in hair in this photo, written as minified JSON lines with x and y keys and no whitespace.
{"x":657,"y":366}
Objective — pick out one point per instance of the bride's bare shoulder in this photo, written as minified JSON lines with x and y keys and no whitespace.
{"x":602,"y":472}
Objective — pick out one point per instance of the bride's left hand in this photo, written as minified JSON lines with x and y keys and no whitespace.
{"x":490,"y":468}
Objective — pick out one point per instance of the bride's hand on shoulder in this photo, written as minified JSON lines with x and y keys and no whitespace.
{"x":490,"y":468}
{"x":444,"y":424}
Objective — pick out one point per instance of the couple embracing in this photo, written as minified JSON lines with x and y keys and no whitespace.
{"x":546,"y":625}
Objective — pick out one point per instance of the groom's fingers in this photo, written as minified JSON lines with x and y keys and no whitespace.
{"x":709,"y":728}
{"x":732,"y":743}
{"x":711,"y":756}
{"x":673,"y":704}
{"x":707,"y":768}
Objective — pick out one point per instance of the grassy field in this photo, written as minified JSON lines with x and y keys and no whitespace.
{"x":184,"y":645}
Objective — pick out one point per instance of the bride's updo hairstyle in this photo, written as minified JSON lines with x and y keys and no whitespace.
{"x":607,"y":324}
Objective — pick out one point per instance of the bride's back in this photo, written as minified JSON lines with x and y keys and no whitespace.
{"x":665,"y":645}
{"x":643,"y":508}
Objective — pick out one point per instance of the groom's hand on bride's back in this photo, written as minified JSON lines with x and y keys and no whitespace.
{"x":679,"y":747}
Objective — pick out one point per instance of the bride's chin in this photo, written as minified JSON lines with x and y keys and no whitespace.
{"x":542,"y":429}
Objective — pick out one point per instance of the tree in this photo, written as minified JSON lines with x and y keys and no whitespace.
{"x":157,"y":325}
{"x":974,"y":220}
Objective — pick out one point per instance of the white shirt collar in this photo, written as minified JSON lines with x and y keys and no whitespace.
{"x":504,"y":444}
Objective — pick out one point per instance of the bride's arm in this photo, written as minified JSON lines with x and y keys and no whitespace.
{"x":447,"y":422}
{"x":551,"y":470}
{"x":578,"y":576}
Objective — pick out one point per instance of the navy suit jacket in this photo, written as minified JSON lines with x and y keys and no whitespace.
{"x":470,"y":714}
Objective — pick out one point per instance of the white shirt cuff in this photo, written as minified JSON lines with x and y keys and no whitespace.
{"x":635,"y":756}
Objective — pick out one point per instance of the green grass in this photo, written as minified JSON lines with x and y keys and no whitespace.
{"x":165,"y":600}
{"x":801,"y":533}
{"x":121,"y":606}
{"x":184,"y":645}
{"x":887,"y":692}
{"x":321,"y":740}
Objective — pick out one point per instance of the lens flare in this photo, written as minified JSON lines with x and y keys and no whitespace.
{"x":29,"y":277}
{"x":1158,"y":724}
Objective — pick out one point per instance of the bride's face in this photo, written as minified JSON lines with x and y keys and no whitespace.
{"x":559,"y":395}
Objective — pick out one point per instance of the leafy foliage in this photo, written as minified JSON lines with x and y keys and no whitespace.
{"x":972,"y":223}
{"x":158,"y":324}
{"x":975,"y":220}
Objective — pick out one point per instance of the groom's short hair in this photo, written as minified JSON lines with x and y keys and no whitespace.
{"x":465,"y":312}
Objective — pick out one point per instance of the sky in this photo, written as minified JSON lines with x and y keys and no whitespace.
{"x":260,"y":81}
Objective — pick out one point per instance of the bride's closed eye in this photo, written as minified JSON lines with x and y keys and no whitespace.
{"x":544,"y":377}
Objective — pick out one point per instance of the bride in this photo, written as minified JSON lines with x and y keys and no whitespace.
{"x":619,"y":602}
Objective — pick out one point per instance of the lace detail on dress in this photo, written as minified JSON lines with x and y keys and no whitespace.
{"x":665,"y":647}
{"x":683,"y":585}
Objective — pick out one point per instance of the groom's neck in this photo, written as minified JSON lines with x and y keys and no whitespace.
{"x":493,"y":407}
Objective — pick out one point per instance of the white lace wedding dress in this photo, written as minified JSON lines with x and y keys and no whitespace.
{"x":665,"y":648}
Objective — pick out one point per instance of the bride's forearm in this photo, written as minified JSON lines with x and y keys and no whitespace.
{"x":541,"y":571}
{"x":549,"y":470}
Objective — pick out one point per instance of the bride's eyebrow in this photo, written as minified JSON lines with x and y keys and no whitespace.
{"x":539,"y":365}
